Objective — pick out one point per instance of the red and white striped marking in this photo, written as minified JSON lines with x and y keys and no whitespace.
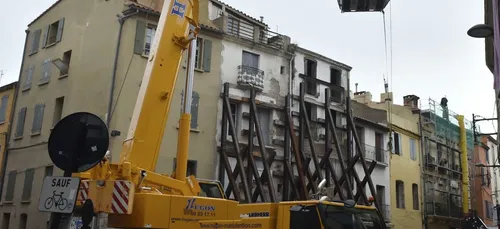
{"x":121,"y":192}
{"x":84,"y":191}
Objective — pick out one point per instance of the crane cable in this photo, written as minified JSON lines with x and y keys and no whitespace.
{"x":388,"y":71}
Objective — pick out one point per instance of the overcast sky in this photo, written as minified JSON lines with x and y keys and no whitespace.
{"x":432,"y":55}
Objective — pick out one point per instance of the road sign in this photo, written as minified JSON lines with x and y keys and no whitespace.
{"x":58,"y":194}
{"x":78,"y":142}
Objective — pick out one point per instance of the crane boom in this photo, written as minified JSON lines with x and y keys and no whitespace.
{"x":138,"y":197}
{"x":149,"y":118}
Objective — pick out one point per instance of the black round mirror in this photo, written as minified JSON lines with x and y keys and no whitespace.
{"x":78,"y":142}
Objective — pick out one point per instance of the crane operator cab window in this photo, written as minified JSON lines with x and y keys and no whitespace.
{"x":211,"y":189}
{"x":333,"y":217}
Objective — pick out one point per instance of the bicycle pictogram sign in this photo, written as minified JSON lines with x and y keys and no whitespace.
{"x":58,"y":194}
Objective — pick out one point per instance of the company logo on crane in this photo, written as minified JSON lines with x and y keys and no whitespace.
{"x":178,"y":8}
{"x":192,"y":206}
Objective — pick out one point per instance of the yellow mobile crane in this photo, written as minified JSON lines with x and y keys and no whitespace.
{"x":137,"y":197}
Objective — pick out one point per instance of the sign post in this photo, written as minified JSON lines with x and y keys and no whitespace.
{"x":76,"y":144}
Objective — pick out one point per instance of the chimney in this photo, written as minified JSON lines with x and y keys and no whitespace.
{"x":364,"y":97}
{"x":386,"y":97}
{"x":411,"y":101}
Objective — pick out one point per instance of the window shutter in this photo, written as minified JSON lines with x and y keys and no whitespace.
{"x":38,"y":118}
{"x":393,"y":143}
{"x":36,"y":44}
{"x":34,"y":125}
{"x":140,"y":33}
{"x":400,"y":145}
{"x":60,"y":30}
{"x":3,"y":108}
{"x":207,"y":55}
{"x":32,"y":44}
{"x":45,"y":36}
{"x":194,"y":109}
{"x":28,"y":184}
{"x":20,"y":122}
{"x":41,"y":110}
{"x":11,"y":185}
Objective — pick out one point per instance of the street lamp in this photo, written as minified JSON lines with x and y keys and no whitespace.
{"x":480,"y":31}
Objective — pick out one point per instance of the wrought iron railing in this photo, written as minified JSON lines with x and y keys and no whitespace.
{"x":250,"y":76}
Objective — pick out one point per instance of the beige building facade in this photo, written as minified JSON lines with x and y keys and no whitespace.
{"x":77,"y":55}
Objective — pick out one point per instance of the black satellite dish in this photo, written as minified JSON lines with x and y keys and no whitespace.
{"x":78,"y":142}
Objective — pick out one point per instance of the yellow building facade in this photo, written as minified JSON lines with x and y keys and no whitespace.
{"x":405,"y":146}
{"x":7,"y":96}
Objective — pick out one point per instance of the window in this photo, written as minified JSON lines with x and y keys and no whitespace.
{"x":35,"y":42}
{"x":264,"y":116}
{"x":28,"y":184}
{"x":195,"y":101}
{"x":3,"y":108}
{"x":414,"y":191}
{"x":58,"y":109}
{"x":148,"y":39}
{"x":37,"y":119}
{"x":23,"y":220}
{"x":310,"y":72}
{"x":21,"y":116}
{"x":53,"y":33}
{"x":191,"y":167}
{"x":250,"y":60}
{"x":29,"y":77}
{"x":63,"y":65}
{"x":233,"y":107}
{"x":413,"y":149}
{"x":11,"y":185}
{"x":379,"y":147}
{"x":6,"y":220}
{"x":488,"y":209}
{"x":203,"y":58}
{"x":396,"y":144}
{"x":46,"y":67}
{"x":49,"y":170}
{"x":400,"y":194}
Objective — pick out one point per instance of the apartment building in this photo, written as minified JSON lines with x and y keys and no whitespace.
{"x":405,"y":181}
{"x":481,"y":198}
{"x":442,"y":168}
{"x":492,"y":159}
{"x":69,"y":67}
{"x":8,"y":94}
{"x":373,"y":132}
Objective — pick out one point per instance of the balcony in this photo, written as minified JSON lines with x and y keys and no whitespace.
{"x":377,"y":154}
{"x":247,"y":31}
{"x":250,"y":76}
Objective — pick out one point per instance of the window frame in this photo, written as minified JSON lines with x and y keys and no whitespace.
{"x":149,"y":27}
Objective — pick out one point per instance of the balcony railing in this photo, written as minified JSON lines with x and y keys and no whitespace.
{"x":250,"y":76}
{"x":248,"y":31}
{"x":375,"y":153}
{"x":311,"y":84}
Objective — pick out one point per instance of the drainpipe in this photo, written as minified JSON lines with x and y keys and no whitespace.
{"x":422,"y":163}
{"x":290,"y":80}
{"x":121,"y":20}
{"x":12,"y":112}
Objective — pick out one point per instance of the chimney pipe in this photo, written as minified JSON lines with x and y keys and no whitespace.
{"x":356,"y":87}
{"x":261,"y":18}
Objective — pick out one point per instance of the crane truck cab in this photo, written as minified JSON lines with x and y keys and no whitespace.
{"x":330,"y":215}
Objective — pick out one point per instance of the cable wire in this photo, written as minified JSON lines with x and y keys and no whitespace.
{"x":126,"y":73}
